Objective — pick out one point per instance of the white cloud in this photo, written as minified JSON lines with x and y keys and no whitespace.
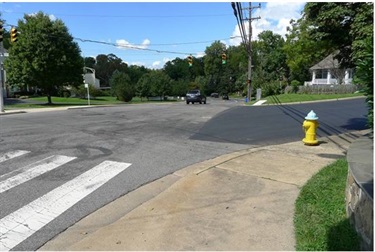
{"x":274,"y":16}
{"x":156,"y":64}
{"x":123,"y":44}
{"x":136,"y":63}
{"x":200,"y":54}
{"x":52,"y":17}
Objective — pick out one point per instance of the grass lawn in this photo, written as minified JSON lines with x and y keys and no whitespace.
{"x":320,"y":218}
{"x":285,"y":98}
{"x":41,"y":102}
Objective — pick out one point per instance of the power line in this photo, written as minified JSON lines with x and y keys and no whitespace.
{"x":133,"y":16}
{"x":131,"y":47}
{"x":142,"y":47}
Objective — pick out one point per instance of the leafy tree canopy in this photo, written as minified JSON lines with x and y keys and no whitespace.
{"x":45,"y":55}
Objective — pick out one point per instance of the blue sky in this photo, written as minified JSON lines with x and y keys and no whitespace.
{"x":152,"y":33}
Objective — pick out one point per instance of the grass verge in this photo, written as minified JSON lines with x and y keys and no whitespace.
{"x":286,"y":98}
{"x":320,"y":219}
{"x":41,"y":102}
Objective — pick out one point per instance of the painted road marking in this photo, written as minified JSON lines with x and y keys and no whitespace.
{"x":12,"y":154}
{"x":21,"y":224}
{"x":34,"y":170}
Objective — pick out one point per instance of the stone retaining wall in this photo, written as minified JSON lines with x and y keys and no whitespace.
{"x":360,"y":190}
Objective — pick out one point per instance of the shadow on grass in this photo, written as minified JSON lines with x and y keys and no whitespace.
{"x":342,"y":237}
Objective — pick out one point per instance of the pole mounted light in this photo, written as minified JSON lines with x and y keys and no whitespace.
{"x":223,"y":58}
{"x":13,"y":35}
{"x":1,"y":32}
{"x":190,"y":60}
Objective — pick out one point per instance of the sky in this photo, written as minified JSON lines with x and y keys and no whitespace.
{"x":152,"y":33}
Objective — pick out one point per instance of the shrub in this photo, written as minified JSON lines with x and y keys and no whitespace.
{"x":327,"y":89}
{"x":121,"y":86}
{"x":295,"y":86}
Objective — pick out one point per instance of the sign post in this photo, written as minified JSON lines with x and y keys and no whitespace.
{"x":88,"y":93}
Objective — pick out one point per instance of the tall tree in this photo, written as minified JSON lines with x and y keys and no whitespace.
{"x":337,"y":23}
{"x":177,"y":69}
{"x":213,"y":67}
{"x":121,"y":86}
{"x":106,"y":65}
{"x":89,"y":62}
{"x":161,"y":83}
{"x":45,"y":55}
{"x":302,"y":50}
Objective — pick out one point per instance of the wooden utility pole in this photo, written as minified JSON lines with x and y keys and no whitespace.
{"x":2,"y":78}
{"x":249,"y":84}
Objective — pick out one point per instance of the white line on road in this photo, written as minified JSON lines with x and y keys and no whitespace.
{"x":21,"y":224}
{"x":12,"y":154}
{"x":34,"y":170}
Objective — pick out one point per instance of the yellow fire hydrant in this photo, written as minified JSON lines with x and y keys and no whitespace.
{"x":309,"y":126}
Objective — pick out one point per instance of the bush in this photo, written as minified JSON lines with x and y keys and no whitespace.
{"x":269,"y":89}
{"x":295,"y":86}
{"x":124,"y":93}
{"x":121,"y":86}
{"x":81,"y":92}
{"x":327,"y":89}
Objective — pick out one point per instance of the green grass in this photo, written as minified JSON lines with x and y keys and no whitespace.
{"x":320,"y":218}
{"x":286,"y":98}
{"x":41,"y":102}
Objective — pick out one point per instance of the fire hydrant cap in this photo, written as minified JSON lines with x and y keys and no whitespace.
{"x":311,"y":116}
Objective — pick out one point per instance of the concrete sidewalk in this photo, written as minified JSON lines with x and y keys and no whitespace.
{"x":35,"y":110}
{"x":239,"y":201}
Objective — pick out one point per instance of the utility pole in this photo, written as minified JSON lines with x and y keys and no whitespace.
{"x":249,"y":84}
{"x":2,"y":78}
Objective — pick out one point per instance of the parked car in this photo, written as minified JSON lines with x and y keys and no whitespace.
{"x":195,"y":96}
{"x":225,"y":96}
{"x":215,"y":95}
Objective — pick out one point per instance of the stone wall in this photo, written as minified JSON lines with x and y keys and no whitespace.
{"x":359,"y":209}
{"x":360,"y":190}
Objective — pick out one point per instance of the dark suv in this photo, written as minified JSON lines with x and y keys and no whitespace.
{"x":195,"y":96}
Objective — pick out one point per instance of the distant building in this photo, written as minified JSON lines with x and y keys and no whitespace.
{"x":328,"y":72}
{"x":89,"y":77}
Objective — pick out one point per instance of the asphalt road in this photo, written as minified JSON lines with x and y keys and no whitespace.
{"x":156,"y":139}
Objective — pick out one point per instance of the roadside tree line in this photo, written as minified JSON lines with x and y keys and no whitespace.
{"x":47,"y":57}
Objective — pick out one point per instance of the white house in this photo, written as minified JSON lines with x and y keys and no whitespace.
{"x":328,"y":72}
{"x":89,"y":77}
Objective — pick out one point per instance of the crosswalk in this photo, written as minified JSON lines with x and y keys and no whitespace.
{"x":24,"y":222}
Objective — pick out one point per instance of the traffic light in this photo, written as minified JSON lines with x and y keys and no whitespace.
{"x":13,"y":35}
{"x":1,"y":31}
{"x":223,"y":58}
{"x":190,"y":60}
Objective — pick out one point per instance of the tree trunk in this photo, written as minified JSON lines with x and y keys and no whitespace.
{"x":49,"y":99}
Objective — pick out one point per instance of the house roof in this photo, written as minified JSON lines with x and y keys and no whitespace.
{"x":328,"y":63}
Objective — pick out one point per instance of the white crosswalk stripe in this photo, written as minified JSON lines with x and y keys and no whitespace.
{"x":24,"y":222}
{"x":12,"y":154}
{"x":34,"y":170}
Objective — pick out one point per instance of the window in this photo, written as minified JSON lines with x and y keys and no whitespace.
{"x":321,"y":74}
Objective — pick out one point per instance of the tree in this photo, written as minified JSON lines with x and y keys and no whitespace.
{"x":106,"y":65}
{"x":161,"y":84}
{"x":340,"y":25}
{"x":89,"y":62}
{"x":177,"y":69}
{"x":365,"y":77}
{"x":213,"y":67}
{"x":143,"y":87}
{"x":121,"y":86}
{"x":45,"y":55}
{"x":136,"y":72}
